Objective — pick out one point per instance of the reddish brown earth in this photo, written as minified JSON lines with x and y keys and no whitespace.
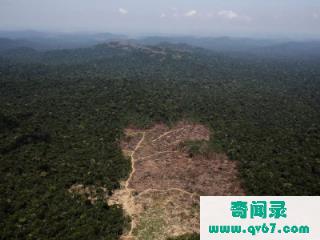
{"x":162,"y":192}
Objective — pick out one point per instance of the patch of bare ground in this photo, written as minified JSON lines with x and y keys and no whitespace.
{"x":162,"y":192}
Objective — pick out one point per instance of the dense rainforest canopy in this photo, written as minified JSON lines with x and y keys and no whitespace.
{"x":62,"y":113}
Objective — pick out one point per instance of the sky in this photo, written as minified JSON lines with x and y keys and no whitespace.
{"x":285,"y":18}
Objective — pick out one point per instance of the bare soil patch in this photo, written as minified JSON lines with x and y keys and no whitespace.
{"x":162,"y":192}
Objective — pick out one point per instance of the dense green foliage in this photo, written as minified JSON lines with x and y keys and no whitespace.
{"x":62,"y":114}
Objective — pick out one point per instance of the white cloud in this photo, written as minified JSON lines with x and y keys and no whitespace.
{"x":191,"y":13}
{"x":163,"y":15}
{"x":228,"y":14}
{"x":315,"y":16}
{"x":232,"y":15}
{"x":123,"y":11}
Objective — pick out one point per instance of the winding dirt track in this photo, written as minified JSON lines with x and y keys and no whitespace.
{"x":132,"y":160}
{"x":161,"y":194}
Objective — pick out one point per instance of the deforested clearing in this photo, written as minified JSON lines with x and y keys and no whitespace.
{"x":162,"y":192}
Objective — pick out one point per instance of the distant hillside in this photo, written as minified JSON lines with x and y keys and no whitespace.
{"x":260,"y":47}
{"x":7,"y":44}
{"x":248,"y":46}
{"x":292,"y":49}
{"x":105,"y":50}
{"x":217,"y":44}
{"x":52,"y":41}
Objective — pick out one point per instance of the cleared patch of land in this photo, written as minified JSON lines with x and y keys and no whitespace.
{"x":162,"y":192}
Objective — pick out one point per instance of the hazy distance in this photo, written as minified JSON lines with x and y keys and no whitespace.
{"x":245,"y":18}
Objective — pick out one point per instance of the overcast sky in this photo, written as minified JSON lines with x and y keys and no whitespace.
{"x":285,"y":18}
